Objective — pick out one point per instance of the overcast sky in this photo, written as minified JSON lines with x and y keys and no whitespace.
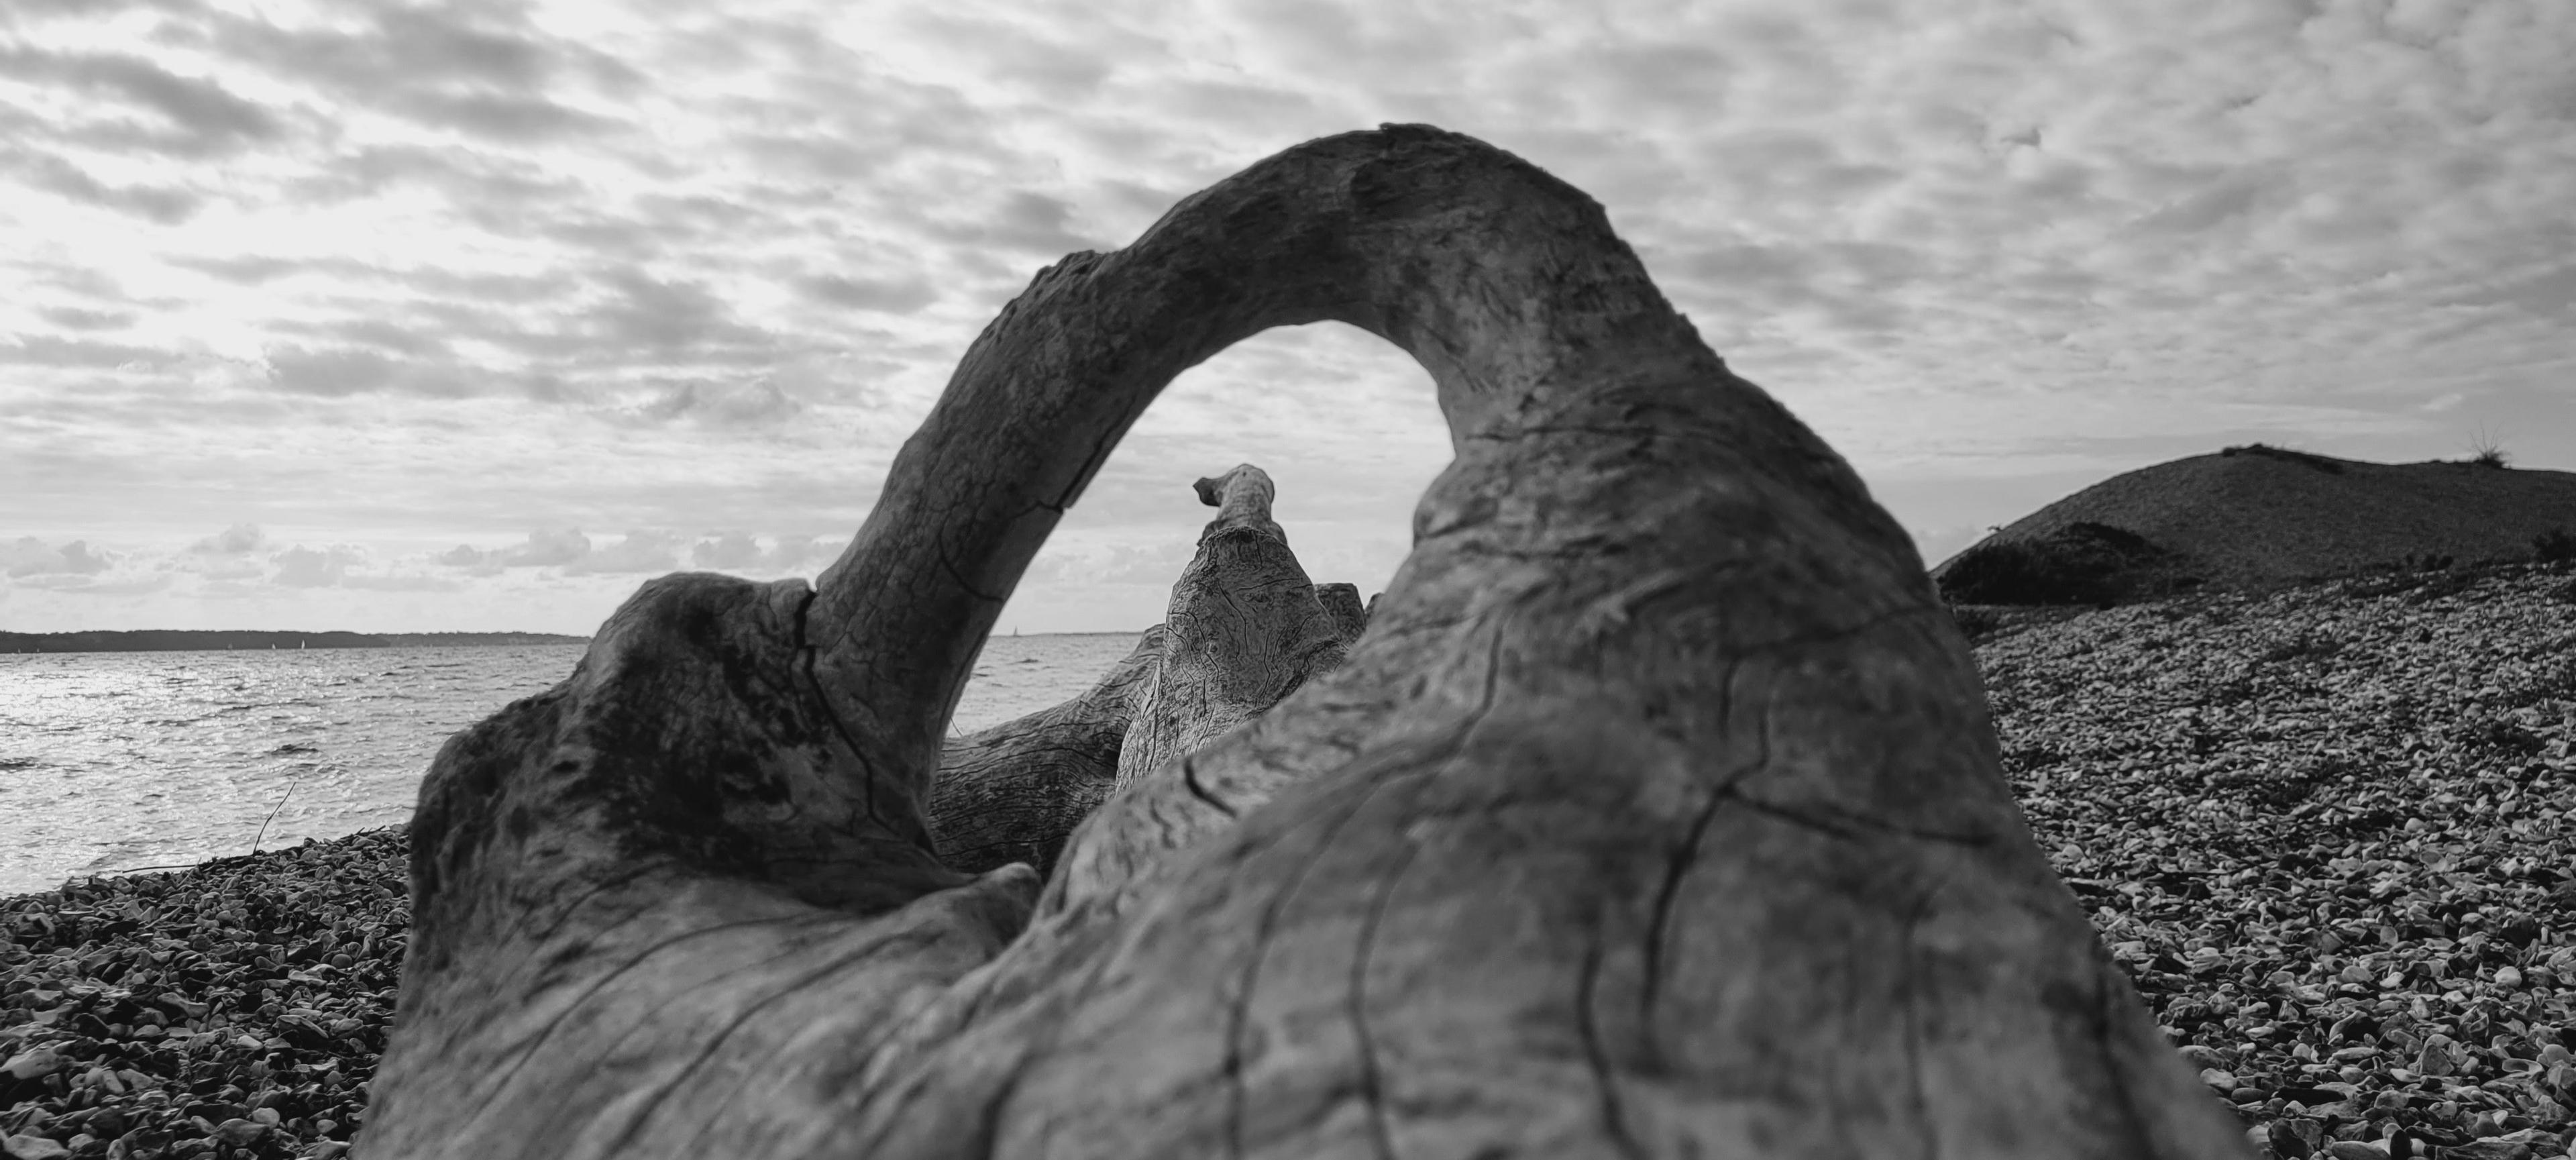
{"x":396,"y":317}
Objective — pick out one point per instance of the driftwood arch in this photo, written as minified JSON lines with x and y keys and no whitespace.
{"x":1655,"y":813}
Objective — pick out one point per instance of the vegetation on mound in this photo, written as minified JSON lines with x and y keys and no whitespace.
{"x":2485,"y":451}
{"x":2081,"y":563}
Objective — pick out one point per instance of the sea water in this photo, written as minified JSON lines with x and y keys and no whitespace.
{"x":111,"y":762}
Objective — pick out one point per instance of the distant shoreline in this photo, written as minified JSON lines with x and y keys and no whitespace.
{"x":218,"y":640}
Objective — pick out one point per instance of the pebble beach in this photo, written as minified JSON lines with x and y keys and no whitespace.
{"x":232,"y":1009}
{"x":2327,"y":833}
{"x":2325,"y":830}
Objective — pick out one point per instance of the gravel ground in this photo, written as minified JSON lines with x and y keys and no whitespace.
{"x":2326,"y":830}
{"x":235,"y":1009}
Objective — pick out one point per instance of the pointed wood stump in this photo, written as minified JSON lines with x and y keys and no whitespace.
{"x":1244,"y":630}
{"x":1239,"y":638}
{"x":1655,"y":814}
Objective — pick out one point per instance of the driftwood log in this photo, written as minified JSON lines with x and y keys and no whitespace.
{"x":1014,"y":792}
{"x":1244,"y":630}
{"x":1655,"y":814}
{"x":1342,"y":603}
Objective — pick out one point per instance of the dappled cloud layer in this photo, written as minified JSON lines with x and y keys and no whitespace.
{"x":385,"y":278}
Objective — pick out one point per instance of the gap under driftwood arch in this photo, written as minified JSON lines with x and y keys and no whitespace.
{"x":1344,"y":421}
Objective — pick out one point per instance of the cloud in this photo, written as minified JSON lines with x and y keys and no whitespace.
{"x":545,"y":547}
{"x":45,"y":350}
{"x":730,"y":550}
{"x":79,"y":318}
{"x":1114,"y":562}
{"x":447,"y":45}
{"x":30,"y":557}
{"x":890,"y":295}
{"x":76,"y":585}
{"x":203,"y":108}
{"x":640,"y":551}
{"x":1037,"y":222}
{"x":1018,"y":53}
{"x":794,"y":551}
{"x":302,"y":567}
{"x":724,"y":405}
{"x":244,"y":270}
{"x":658,"y":314}
{"x":1029,"y":222}
{"x":401,"y":583}
{"x":331,"y":372}
{"x":388,"y":335}
{"x":160,"y":204}
{"x":229,"y":568}
{"x":505,"y":118}
{"x":741,"y":552}
{"x":2232,"y":197}
{"x":233,"y":540}
{"x":443,"y":67}
{"x":208,"y":116}
{"x":417,"y":365}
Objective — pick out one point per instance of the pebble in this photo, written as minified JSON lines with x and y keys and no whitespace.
{"x":33,"y":1063}
{"x":2329,"y":832}
{"x":145,"y":1000}
{"x":35,"y":1148}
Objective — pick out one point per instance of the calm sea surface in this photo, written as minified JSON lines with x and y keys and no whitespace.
{"x":114,"y":761}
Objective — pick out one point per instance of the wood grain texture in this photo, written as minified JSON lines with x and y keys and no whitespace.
{"x":1243,"y":630}
{"x":1015,"y":791}
{"x":1656,"y":812}
{"x":1342,"y":603}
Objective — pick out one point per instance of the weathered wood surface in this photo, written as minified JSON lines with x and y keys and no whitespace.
{"x":1342,"y":603}
{"x":1656,"y":813}
{"x":1243,"y":630}
{"x":1013,"y":792}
